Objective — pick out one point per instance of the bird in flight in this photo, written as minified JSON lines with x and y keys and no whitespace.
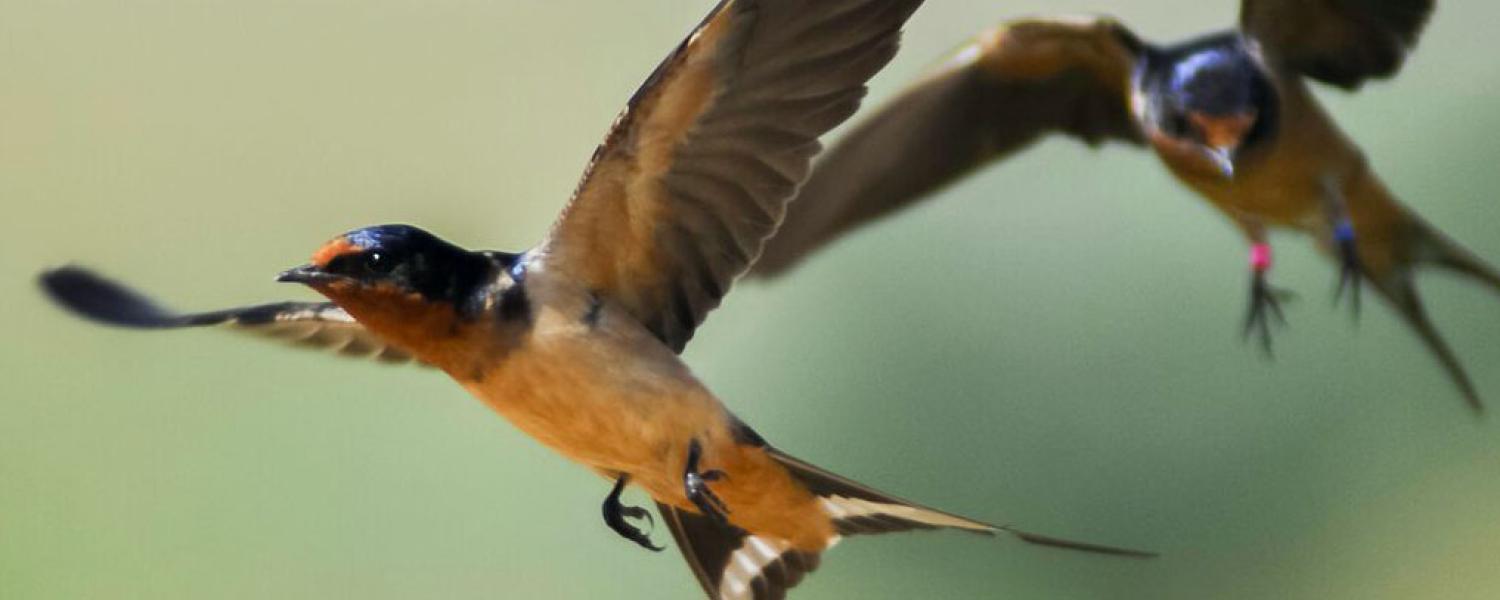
{"x":1229,"y":113}
{"x":576,"y":340}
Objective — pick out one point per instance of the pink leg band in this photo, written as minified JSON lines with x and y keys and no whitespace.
{"x":1260,"y":257}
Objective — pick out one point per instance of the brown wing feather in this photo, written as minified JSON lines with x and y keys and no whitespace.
{"x":1341,"y":42}
{"x":319,"y":325}
{"x":696,"y":172}
{"x":998,"y":94}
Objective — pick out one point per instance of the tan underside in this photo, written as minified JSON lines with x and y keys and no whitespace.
{"x":609,"y":396}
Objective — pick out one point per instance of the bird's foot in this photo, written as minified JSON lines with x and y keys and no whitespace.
{"x":1265,"y":304}
{"x":615,"y":514}
{"x":695,"y":484}
{"x":1350,"y":269}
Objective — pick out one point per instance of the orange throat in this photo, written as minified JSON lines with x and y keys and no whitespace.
{"x":1184,"y":157}
{"x":1223,"y":131}
{"x":432,"y":331}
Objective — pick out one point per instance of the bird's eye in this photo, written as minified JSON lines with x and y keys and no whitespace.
{"x":379,"y":263}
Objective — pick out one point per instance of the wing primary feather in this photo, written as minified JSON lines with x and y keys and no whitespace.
{"x":998,"y":94}
{"x":1339,"y":42}
{"x":311,"y":324}
{"x":710,"y":149}
{"x":101,"y":300}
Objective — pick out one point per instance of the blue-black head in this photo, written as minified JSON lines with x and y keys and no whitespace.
{"x":1217,"y":82}
{"x":396,"y":258}
{"x":1213,"y":95}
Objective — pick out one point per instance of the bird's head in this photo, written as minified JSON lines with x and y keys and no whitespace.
{"x":396,"y":277}
{"x":1216,"y":102}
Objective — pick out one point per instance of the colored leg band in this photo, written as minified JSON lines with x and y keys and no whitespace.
{"x":1344,"y":232}
{"x":1260,"y":257}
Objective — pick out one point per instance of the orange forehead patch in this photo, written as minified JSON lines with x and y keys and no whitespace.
{"x":339,"y":246}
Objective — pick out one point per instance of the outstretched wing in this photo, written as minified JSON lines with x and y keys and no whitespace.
{"x":1341,"y":42}
{"x":696,"y":172}
{"x":309,"y":324}
{"x":999,"y":93}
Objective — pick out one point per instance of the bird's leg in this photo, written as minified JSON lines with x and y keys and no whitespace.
{"x":1265,"y":300}
{"x":615,"y":514}
{"x":695,"y":484}
{"x":1350,"y":268}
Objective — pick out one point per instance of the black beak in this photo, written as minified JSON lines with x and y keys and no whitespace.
{"x":305,"y":274}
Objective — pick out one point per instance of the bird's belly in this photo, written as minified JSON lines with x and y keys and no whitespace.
{"x":636,"y":414}
{"x":1273,"y":191}
{"x":619,"y":416}
{"x":1279,"y":203}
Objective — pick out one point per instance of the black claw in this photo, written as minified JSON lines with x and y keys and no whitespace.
{"x":695,"y":485}
{"x":615,"y":514}
{"x":1265,"y":304}
{"x":1350,"y":272}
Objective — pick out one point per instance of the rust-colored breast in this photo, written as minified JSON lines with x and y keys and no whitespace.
{"x":430,"y":330}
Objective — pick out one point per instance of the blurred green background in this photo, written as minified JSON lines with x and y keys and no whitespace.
{"x":1053,"y":345}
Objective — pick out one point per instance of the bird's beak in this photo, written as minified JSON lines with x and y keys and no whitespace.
{"x":306,"y":274}
{"x":1222,"y":136}
{"x":1223,"y":158}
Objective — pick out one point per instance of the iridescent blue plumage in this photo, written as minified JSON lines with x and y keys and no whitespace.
{"x":1214,"y":76}
{"x":413,"y":259}
{"x":1216,"y":81}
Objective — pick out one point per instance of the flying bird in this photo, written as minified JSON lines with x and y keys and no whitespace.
{"x":1230,"y":114}
{"x":576,"y":340}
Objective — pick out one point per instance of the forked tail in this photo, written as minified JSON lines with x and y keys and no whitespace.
{"x":732,"y":564}
{"x":1432,"y":247}
{"x":1437,"y":249}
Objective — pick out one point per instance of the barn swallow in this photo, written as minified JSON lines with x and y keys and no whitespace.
{"x":576,"y":340}
{"x":1230,"y":114}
